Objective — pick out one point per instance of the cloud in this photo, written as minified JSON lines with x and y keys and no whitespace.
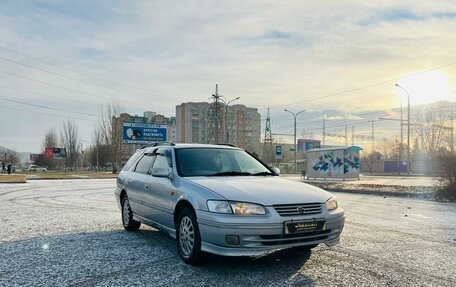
{"x":267,"y":53}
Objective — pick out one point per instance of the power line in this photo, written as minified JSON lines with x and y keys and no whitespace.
{"x":363,"y":87}
{"x":65,"y":88}
{"x":47,"y":114}
{"x":61,"y":75}
{"x":46,"y":95}
{"x":87,"y":75}
{"x":46,"y":107}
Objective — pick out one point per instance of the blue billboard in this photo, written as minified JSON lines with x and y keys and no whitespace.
{"x":141,"y":133}
{"x":278,"y":152}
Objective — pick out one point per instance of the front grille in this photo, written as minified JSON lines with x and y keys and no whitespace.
{"x":295,"y":235}
{"x":271,"y":240}
{"x":297,"y":209}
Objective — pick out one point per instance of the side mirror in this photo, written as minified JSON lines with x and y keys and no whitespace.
{"x":276,"y":170}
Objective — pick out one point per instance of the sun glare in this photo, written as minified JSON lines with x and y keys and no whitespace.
{"x":426,"y":88}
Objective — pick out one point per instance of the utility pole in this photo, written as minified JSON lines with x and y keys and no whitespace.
{"x":216,"y":98}
{"x":408,"y":128}
{"x":227,"y":133}
{"x":267,"y":143}
{"x":214,"y":131}
{"x":294,"y":116}
{"x":324,"y":133}
{"x":353,"y":135}
{"x":346,"y":135}
{"x":373,"y":136}
{"x":400,"y":144}
{"x":452,"y":132}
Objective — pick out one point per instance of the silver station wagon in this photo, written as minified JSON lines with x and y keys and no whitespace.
{"x":222,"y":200}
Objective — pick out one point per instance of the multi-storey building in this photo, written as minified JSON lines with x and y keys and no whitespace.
{"x":207,"y":123}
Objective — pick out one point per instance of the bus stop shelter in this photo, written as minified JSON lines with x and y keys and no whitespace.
{"x":337,"y":162}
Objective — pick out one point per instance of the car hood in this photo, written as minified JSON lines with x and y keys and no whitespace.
{"x":265,"y":190}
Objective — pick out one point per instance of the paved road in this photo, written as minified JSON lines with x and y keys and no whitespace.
{"x":68,"y":233}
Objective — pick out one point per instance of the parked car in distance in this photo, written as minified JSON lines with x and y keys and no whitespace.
{"x":222,"y":200}
{"x":35,"y":168}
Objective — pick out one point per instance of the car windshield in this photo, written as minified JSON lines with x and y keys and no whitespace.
{"x":218,"y":162}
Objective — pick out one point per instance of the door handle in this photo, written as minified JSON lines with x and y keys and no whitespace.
{"x":146,"y":186}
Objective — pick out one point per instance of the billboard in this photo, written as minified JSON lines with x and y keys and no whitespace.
{"x":34,"y":156}
{"x":55,"y":152}
{"x":278,"y":152}
{"x":306,"y":144}
{"x":140,"y":133}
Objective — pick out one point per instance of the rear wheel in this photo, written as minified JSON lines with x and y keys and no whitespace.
{"x":127,"y":216}
{"x":188,"y":237}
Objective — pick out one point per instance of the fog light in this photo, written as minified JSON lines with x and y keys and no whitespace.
{"x":232,"y":239}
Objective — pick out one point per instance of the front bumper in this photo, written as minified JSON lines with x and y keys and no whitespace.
{"x":260,"y":234}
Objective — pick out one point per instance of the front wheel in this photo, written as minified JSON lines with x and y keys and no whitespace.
{"x":127,"y":216}
{"x":188,"y":237}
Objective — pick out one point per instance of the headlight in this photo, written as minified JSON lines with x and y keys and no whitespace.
{"x":238,"y":208}
{"x":219,"y":206}
{"x":242,"y":208}
{"x":331,"y":204}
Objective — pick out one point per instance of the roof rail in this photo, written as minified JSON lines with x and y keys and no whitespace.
{"x":166,"y":143}
{"x":227,"y":144}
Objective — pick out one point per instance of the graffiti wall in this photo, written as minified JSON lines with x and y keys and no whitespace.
{"x":336,"y":163}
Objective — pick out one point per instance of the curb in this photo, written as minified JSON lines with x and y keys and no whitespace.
{"x":418,"y":195}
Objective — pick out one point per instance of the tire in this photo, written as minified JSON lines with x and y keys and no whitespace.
{"x":127,"y":216}
{"x":188,"y":237}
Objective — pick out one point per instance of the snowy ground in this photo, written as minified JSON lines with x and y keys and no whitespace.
{"x":69,"y":233}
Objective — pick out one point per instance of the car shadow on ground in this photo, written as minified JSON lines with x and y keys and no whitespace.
{"x":118,"y":257}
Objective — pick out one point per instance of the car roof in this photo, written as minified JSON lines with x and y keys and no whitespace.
{"x":194,"y":145}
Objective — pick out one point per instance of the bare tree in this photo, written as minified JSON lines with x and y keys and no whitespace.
{"x":51,"y":139}
{"x":433,"y":128}
{"x":12,"y":157}
{"x":389,"y":149}
{"x":107,"y":135}
{"x":69,"y":136}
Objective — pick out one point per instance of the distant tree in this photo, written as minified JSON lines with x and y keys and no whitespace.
{"x":389,"y":149}
{"x":445,"y":166}
{"x":12,"y":157}
{"x":108,"y":135}
{"x":69,"y":137}
{"x":433,"y":128}
{"x":51,"y":139}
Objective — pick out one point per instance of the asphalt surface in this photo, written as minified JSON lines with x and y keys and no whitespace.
{"x":69,"y":233}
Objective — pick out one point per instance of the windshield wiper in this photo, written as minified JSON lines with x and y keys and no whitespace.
{"x":223,"y":173}
{"x":263,"y":173}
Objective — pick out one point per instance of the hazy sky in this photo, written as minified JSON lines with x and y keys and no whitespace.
{"x":58,"y":57}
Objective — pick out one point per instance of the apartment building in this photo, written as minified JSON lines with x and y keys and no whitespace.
{"x":202,"y":122}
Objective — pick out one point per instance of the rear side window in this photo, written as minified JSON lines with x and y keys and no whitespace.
{"x":132,"y":160}
{"x":144,"y":164}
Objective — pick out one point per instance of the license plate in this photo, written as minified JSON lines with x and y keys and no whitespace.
{"x":304,"y":226}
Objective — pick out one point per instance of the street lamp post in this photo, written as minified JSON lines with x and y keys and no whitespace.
{"x":408,"y":128}
{"x":226,"y":117}
{"x":294,"y":116}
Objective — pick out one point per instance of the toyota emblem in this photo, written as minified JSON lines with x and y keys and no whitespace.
{"x":301,"y":210}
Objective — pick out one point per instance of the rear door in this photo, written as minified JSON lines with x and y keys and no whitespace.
{"x":160,"y":190}
{"x":137,"y":184}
